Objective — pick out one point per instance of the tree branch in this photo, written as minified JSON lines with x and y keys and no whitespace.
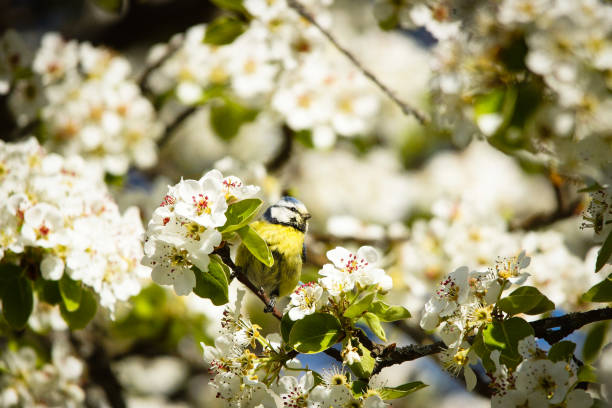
{"x":406,"y":108}
{"x":173,"y":47}
{"x":172,"y":127}
{"x":543,"y":328}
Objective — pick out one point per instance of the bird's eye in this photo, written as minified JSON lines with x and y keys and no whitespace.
{"x":293,"y":209}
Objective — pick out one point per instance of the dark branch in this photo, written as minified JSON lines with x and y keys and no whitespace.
{"x":173,"y":46}
{"x":567,"y":324}
{"x":283,"y":154}
{"x":563,"y":210}
{"x":406,"y":108}
{"x":224,"y":253}
{"x":172,"y":127}
{"x":543,"y":328}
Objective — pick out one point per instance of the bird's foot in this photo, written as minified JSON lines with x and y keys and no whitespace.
{"x":270,"y":306}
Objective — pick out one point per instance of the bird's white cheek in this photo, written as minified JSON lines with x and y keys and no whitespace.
{"x":280,"y":214}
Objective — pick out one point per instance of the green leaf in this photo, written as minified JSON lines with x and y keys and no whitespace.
{"x":17,"y":301}
{"x":224,"y":30}
{"x":233,"y":5}
{"x":602,"y":292}
{"x":594,"y":341}
{"x":364,"y":367}
{"x":79,"y":318}
{"x":587,"y":373}
{"x":71,"y":292}
{"x":286,"y":325}
{"x":389,"y":393}
{"x":315,"y":333}
{"x":561,"y":351}
{"x":373,"y":323}
{"x":489,"y":103}
{"x":240,"y":214}
{"x":358,"y":307}
{"x":387,"y":313}
{"x":256,"y":245}
{"x":359,"y":387}
{"x":526,"y":299}
{"x":112,"y":6}
{"x":48,"y":291}
{"x":504,"y":335}
{"x":226,"y":269}
{"x":483,"y":352}
{"x":226,"y":118}
{"x":9,"y":272}
{"x":604,"y":253}
{"x":211,"y":284}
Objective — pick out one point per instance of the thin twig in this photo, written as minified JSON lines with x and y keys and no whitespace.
{"x":224,"y":253}
{"x":283,"y":154}
{"x":173,"y":47}
{"x":176,"y":123}
{"x":406,"y":108}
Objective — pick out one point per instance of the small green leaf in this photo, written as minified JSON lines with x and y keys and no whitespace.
{"x":526,"y":299}
{"x":483,"y":352}
{"x":286,"y":325}
{"x":602,"y":292}
{"x":504,"y":336}
{"x":315,"y":333}
{"x":17,"y":301}
{"x":373,"y":323}
{"x":256,"y":245}
{"x":226,"y":269}
{"x":71,"y":292}
{"x":604,"y":254}
{"x":358,"y":307}
{"x":359,"y":387}
{"x":594,"y":341}
{"x":224,"y":30}
{"x":48,"y":291}
{"x":561,"y":351}
{"x":587,"y":373}
{"x":489,"y":103}
{"x":233,"y":5}
{"x":10,"y":272}
{"x":387,"y":313}
{"x":389,"y":393}
{"x":79,"y":318}
{"x":211,"y":284}
{"x":226,"y":118}
{"x":364,"y":367}
{"x":240,"y":213}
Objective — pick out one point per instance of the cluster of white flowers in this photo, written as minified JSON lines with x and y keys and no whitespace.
{"x":59,"y":211}
{"x":464,"y":233}
{"x":537,"y":381}
{"x":280,"y":59}
{"x":245,"y":379}
{"x":27,"y":383}
{"x":182,"y":231}
{"x":464,"y":303}
{"x":346,"y":272}
{"x":492,"y":58}
{"x":85,"y":101}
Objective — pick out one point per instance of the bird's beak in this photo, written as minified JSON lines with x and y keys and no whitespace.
{"x":307,"y":216}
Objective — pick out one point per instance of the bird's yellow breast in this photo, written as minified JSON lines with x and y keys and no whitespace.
{"x":286,"y":240}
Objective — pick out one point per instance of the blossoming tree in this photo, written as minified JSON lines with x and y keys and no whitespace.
{"x":455,"y":156}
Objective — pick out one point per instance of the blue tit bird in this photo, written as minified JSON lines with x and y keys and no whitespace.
{"x":283,"y":227}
